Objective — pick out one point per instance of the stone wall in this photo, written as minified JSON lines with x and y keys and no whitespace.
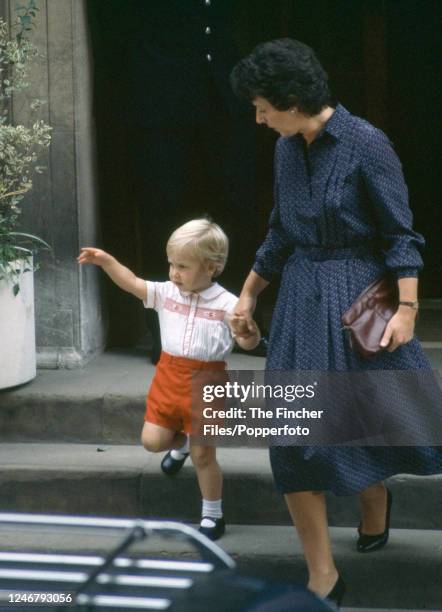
{"x":62,"y":208}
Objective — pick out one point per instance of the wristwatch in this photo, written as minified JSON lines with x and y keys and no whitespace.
{"x":414,"y":305}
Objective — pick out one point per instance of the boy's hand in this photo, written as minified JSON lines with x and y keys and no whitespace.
{"x":122,"y":276}
{"x":245,"y":331}
{"x":242,"y":327}
{"x":91,"y":255}
{"x":238,"y":325}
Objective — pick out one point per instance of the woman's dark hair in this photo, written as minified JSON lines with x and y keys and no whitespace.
{"x":285,"y":72}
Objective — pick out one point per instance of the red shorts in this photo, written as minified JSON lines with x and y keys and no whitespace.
{"x":175,"y":398}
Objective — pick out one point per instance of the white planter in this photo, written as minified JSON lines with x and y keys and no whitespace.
{"x":17,"y":332}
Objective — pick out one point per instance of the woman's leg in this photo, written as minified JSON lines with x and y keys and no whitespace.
{"x":309,"y":514}
{"x":373,"y":502}
{"x":210,"y":478}
{"x":155,"y":438}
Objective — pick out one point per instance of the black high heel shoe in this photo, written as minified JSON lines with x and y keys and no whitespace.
{"x":337,"y":593}
{"x":370,"y":543}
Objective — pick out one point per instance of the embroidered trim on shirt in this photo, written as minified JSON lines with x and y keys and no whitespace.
{"x":178,"y":307}
{"x":210,"y":313}
{"x":213,"y":314}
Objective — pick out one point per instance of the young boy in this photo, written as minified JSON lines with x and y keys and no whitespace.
{"x":194,"y":315}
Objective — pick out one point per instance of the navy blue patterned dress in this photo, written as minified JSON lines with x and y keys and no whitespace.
{"x":341,"y":220}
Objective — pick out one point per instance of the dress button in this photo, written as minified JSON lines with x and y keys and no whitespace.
{"x":209,"y":57}
{"x":208,"y":30}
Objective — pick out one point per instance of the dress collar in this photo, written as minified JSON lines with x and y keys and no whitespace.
{"x":337,"y":122}
{"x":335,"y":126}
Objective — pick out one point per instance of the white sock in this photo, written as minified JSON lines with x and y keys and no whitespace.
{"x":179,"y":453}
{"x":211,"y":510}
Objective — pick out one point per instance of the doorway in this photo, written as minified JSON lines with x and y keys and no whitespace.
{"x":383,"y":60}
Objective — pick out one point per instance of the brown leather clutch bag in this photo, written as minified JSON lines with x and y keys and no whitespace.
{"x":367,"y":317}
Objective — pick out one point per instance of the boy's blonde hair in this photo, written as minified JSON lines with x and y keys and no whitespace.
{"x":201,"y":239}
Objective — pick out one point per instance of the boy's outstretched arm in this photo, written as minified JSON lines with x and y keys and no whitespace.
{"x":245,"y":332}
{"x":122,"y":276}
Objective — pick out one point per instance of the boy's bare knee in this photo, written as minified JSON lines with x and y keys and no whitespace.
{"x":150,"y":444}
{"x":202,"y":456}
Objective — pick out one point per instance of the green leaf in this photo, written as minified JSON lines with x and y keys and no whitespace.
{"x":31,"y":237}
{"x":19,"y":248}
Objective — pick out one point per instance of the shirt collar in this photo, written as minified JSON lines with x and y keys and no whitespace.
{"x":208,"y":294}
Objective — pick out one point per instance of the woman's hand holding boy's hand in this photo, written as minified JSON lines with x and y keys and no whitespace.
{"x":245,"y":331}
{"x":242,"y":318}
{"x":91,"y":255}
{"x":238,"y":325}
{"x":246,"y":306}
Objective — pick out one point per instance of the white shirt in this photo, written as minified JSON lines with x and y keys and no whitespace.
{"x":193,"y":325}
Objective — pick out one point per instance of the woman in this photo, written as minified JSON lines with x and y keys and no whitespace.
{"x":341,"y":220}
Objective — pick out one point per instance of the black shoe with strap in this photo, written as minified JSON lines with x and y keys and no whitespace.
{"x":216,"y":530}
{"x":172,"y":466}
{"x":370,"y":543}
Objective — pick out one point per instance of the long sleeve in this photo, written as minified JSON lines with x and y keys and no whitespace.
{"x":277,"y":246}
{"x":388,"y":194}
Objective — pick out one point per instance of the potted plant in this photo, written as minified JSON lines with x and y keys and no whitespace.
{"x":19,"y":148}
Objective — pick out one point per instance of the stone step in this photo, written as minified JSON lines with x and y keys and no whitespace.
{"x":104,"y":403}
{"x":406,"y":573}
{"x":127,"y":481}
